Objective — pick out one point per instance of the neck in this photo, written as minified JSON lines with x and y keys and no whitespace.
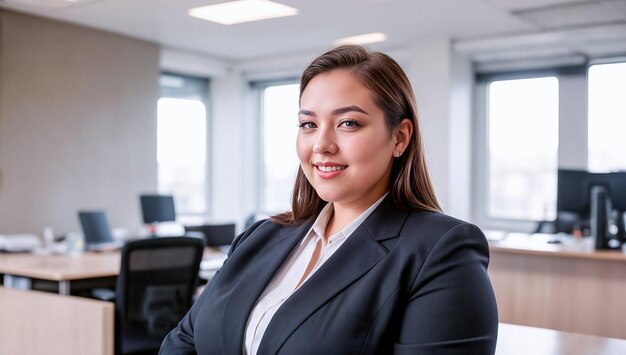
{"x":344,"y":214}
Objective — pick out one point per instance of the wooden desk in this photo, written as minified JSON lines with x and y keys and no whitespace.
{"x":61,"y":268}
{"x":522,"y":340}
{"x":568,"y":286}
{"x":34,"y":322}
{"x":64,"y":269}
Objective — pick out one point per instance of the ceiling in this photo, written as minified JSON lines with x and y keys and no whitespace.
{"x":486,"y":30}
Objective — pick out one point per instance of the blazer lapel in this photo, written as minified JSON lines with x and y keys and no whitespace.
{"x":359,"y":253}
{"x":256,"y":278}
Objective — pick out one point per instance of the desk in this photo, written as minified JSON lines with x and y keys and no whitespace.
{"x":22,"y":268}
{"x":522,"y":340}
{"x":65,"y":269}
{"x":567,"y":286}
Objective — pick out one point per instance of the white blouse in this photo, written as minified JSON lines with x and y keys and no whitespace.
{"x":285,"y":282}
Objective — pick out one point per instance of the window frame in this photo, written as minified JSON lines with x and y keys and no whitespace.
{"x":193,"y":85}
{"x":480,"y":183}
{"x":258,"y":87}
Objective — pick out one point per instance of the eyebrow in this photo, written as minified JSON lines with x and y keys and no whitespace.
{"x":335,"y":112}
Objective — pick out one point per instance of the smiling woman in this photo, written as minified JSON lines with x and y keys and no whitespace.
{"x":344,"y":151}
{"x":365,"y":262}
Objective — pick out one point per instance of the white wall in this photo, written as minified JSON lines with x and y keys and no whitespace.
{"x":461,"y":130}
{"x":573,"y":121}
{"x":77,"y":124}
{"x":227,"y":145}
{"x":443,"y":82}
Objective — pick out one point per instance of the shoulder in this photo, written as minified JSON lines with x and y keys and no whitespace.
{"x":428,"y":229}
{"x":434,"y":223}
{"x":262,"y":232}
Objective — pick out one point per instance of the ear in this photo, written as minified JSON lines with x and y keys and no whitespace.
{"x":402,"y":136}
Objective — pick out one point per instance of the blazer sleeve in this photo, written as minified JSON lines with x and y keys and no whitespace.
{"x":180,"y":340}
{"x":451,"y":307}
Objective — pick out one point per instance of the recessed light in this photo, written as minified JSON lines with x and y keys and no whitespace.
{"x":362,"y":39}
{"x":239,"y":11}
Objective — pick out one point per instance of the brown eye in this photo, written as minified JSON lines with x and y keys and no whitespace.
{"x":350,"y":124}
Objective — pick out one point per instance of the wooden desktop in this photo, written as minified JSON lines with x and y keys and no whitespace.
{"x":68,"y":269}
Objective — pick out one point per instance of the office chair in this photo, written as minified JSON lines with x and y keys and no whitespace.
{"x":215,"y":235}
{"x":154,"y":290}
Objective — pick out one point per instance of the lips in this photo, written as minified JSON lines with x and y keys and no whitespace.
{"x":328,"y":170}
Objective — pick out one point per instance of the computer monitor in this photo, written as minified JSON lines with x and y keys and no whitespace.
{"x":574,"y":194}
{"x":618,"y":190}
{"x":157,"y":208}
{"x":574,"y":190}
{"x":95,"y":227}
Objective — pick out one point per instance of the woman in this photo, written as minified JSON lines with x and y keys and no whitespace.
{"x":365,"y":263}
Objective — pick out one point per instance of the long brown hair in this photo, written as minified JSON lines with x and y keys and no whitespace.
{"x":410,"y":185}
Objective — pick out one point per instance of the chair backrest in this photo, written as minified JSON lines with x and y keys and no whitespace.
{"x":155,"y":287}
{"x":95,"y":227}
{"x":215,"y":234}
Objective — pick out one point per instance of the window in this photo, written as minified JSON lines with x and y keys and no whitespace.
{"x":523,"y":119}
{"x":280,"y":161}
{"x":607,"y":117}
{"x":182,"y":142}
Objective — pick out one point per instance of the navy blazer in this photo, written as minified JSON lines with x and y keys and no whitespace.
{"x":402,"y":283}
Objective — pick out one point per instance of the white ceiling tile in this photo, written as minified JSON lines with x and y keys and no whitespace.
{"x":572,"y":15}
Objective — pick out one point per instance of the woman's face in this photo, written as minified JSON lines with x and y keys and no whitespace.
{"x":344,"y":145}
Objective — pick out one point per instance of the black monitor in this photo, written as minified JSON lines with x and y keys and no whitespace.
{"x":574,"y":190}
{"x":95,"y":227}
{"x":618,"y":190}
{"x":574,"y":194}
{"x":157,"y":208}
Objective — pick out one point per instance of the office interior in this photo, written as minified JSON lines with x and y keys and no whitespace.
{"x":80,"y":82}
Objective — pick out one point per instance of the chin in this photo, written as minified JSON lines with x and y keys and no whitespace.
{"x":328,"y":196}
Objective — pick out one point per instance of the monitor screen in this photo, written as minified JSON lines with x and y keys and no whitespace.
{"x":574,"y":190}
{"x":95,"y":227}
{"x":618,"y":190}
{"x":157,"y":208}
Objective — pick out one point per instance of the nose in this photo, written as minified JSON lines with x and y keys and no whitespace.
{"x":325,"y":142}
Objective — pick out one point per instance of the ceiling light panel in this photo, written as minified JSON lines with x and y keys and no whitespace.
{"x":362,"y":39}
{"x":233,"y":12}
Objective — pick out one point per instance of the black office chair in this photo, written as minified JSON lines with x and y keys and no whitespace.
{"x":215,"y":235}
{"x":154,"y":290}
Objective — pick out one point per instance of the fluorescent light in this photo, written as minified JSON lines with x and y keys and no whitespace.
{"x":233,"y":12}
{"x":362,"y":39}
